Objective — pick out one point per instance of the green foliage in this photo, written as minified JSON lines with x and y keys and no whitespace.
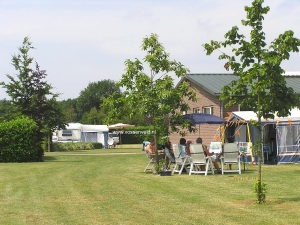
{"x":154,"y":95}
{"x":8,"y":111}
{"x":261,"y":86}
{"x":160,"y":166}
{"x":137,"y":135}
{"x":31,"y":94}
{"x":91,"y":96}
{"x":19,"y":141}
{"x":260,"y":189}
{"x":97,"y":145}
{"x":69,"y":110}
{"x":94,"y":116}
{"x":74,"y":146}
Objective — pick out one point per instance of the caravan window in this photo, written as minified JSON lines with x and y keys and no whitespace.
{"x":67,"y":133}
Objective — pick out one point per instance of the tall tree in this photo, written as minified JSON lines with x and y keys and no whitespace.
{"x":94,"y":116}
{"x":92,"y":95}
{"x":30,"y":93}
{"x":261,"y":85}
{"x":69,"y":109}
{"x":153,"y":95}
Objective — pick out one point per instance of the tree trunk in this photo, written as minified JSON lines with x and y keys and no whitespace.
{"x":49,"y":141}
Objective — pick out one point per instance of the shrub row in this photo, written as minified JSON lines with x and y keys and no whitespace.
{"x":137,"y":134}
{"x":19,"y":141}
{"x":73,"y":146}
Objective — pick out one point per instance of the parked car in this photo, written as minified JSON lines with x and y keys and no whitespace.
{"x":115,"y":137}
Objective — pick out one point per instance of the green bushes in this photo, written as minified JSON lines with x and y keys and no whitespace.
{"x":138,"y":134}
{"x":73,"y":146}
{"x":19,"y":141}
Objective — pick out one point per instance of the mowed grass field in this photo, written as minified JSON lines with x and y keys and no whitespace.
{"x":109,"y":187}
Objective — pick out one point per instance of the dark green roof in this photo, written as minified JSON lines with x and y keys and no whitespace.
{"x":214,"y":82}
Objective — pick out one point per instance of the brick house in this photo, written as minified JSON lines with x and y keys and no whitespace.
{"x":208,"y":89}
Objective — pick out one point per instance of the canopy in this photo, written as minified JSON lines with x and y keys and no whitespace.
{"x":120,"y":126}
{"x":250,"y":115}
{"x":202,"y":118}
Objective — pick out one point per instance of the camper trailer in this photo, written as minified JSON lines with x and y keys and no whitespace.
{"x":77,"y":132}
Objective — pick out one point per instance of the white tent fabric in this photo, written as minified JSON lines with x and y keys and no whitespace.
{"x":287,"y":133}
{"x":250,"y":115}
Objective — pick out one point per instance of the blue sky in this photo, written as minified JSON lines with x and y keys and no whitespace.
{"x":82,"y":41}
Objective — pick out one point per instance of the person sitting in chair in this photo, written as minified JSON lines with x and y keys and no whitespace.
{"x":150,"y":148}
{"x":207,"y":153}
{"x":182,"y":147}
{"x":187,"y":149}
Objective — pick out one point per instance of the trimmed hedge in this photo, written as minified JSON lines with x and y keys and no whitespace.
{"x":19,"y":141}
{"x":137,"y":135}
{"x":73,"y":146}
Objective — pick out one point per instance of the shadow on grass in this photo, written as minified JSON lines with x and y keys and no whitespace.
{"x":54,"y":159}
{"x":281,"y":200}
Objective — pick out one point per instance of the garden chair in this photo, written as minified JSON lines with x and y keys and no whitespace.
{"x":110,"y":142}
{"x":198,"y":158}
{"x":151,"y":161}
{"x":180,"y":161}
{"x":230,"y":156}
{"x":169,"y":156}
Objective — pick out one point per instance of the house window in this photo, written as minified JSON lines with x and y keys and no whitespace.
{"x":67,"y":133}
{"x":208,"y":110}
{"x":196,"y":110}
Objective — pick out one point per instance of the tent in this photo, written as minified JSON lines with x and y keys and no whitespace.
{"x":77,"y":132}
{"x":281,"y":135}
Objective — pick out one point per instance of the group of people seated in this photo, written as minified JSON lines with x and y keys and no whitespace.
{"x":185,"y":150}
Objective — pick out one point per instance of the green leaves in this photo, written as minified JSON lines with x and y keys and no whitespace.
{"x":19,"y":141}
{"x":261,"y":86}
{"x":153,"y":94}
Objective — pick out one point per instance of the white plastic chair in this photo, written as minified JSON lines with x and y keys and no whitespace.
{"x":198,"y":158}
{"x":230,"y":156}
{"x":180,"y":161}
{"x":110,"y":142}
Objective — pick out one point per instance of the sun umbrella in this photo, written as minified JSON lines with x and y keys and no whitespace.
{"x":120,"y":126}
{"x":202,"y":118}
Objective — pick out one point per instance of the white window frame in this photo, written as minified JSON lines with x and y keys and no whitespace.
{"x":209,"y":108}
{"x":196,"y":110}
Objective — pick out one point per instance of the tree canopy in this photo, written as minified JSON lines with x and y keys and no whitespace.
{"x":31,"y":94}
{"x":91,"y":96}
{"x":153,"y":95}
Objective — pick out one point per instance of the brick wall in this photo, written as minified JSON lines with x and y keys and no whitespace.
{"x":207,"y":131}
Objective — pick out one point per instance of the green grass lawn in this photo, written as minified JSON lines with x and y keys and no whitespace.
{"x":113,"y":189}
